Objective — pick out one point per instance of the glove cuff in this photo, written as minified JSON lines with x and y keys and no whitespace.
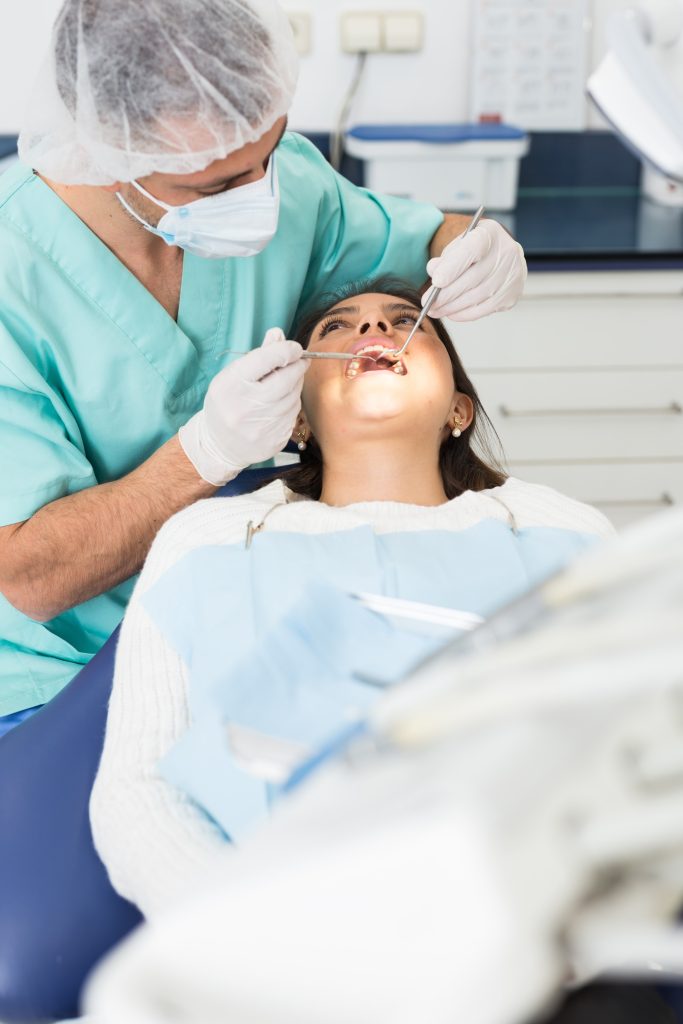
{"x":203,"y":456}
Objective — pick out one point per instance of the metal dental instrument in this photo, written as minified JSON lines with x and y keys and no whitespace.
{"x":328,"y":355}
{"x":306,"y":355}
{"x":434,"y":292}
{"x":395,"y":352}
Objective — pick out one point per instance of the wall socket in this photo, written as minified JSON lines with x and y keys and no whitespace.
{"x":301,"y":23}
{"x":382,"y":31}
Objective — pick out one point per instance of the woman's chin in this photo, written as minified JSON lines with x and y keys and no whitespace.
{"x":378,"y":409}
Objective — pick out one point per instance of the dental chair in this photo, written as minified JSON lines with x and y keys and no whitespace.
{"x":58,"y":911}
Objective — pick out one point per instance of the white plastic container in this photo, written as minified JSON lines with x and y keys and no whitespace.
{"x":456,"y":167}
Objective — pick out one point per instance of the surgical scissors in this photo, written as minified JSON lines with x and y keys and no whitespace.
{"x":394,"y":353}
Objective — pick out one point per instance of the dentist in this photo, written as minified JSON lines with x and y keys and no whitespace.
{"x":160,"y":214}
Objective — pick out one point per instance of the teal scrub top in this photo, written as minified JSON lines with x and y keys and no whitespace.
{"x":95,"y":375}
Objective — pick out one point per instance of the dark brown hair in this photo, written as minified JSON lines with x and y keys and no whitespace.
{"x":462,"y":469}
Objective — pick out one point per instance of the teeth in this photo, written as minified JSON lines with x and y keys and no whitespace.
{"x":355,"y":365}
{"x":372,"y":349}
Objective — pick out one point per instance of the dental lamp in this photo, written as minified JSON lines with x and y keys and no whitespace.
{"x":638,"y":88}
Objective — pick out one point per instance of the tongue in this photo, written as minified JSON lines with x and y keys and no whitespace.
{"x":378,"y":363}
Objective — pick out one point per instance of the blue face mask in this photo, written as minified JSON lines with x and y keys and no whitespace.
{"x":238,"y":222}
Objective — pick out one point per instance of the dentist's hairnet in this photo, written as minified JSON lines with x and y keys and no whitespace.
{"x":131,"y":87}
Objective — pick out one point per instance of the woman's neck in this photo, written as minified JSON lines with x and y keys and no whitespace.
{"x":384,"y":471}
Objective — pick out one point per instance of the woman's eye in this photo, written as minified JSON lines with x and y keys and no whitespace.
{"x":331,"y":325}
{"x":407,"y":318}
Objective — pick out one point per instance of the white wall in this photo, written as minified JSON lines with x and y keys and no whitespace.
{"x":24,"y":37}
{"x":428,"y":86}
{"x":432,"y":85}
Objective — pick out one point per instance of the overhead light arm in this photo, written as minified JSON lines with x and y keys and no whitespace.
{"x":631,"y":89}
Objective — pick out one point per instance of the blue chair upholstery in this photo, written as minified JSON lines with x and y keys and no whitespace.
{"x":58,"y":911}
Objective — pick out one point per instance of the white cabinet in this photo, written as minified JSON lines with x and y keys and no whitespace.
{"x":583,"y":382}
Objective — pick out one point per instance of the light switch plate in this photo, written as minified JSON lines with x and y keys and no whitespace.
{"x":403,"y":31}
{"x":361,"y":32}
{"x":301,"y":29}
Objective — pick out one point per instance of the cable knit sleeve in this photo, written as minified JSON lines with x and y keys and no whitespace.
{"x":152,"y":839}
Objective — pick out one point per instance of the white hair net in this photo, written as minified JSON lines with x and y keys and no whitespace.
{"x":131,"y":87}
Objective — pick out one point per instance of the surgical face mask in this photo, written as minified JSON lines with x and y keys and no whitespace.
{"x":238,"y":222}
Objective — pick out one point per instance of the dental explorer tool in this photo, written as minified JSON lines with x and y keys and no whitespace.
{"x":306,"y":355}
{"x":434,"y":292}
{"x":395,"y":352}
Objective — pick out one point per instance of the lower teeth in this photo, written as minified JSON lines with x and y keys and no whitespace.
{"x":356,"y":366}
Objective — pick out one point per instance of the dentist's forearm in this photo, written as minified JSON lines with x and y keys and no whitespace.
{"x":82,"y":545}
{"x":453,"y":225}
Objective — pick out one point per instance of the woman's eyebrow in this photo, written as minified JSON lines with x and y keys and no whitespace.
{"x":343,"y":309}
{"x":394,"y":307}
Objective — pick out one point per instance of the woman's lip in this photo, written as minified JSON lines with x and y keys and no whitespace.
{"x":367,"y":342}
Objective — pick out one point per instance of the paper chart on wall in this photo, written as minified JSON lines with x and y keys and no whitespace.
{"x":529,"y":63}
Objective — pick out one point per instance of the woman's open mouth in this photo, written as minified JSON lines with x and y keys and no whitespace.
{"x":374,"y":357}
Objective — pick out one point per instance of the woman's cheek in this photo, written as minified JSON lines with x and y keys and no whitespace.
{"x":319,"y":391}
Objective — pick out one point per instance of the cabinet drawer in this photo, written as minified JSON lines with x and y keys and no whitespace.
{"x":569,"y":331}
{"x":569,"y":415}
{"x":625,"y":493}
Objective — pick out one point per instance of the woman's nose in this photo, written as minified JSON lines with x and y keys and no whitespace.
{"x":371,"y":322}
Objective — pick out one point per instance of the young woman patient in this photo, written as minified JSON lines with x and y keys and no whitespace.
{"x":396,"y":493}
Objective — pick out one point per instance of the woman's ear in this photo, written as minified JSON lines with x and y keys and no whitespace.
{"x":462,"y":412}
{"x":301,"y":430}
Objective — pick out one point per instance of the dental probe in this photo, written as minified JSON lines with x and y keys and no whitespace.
{"x":434,"y":291}
{"x":393,"y":352}
{"x":306,"y":355}
{"x":328,"y":355}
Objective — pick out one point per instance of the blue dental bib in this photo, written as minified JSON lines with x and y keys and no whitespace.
{"x":277,"y":645}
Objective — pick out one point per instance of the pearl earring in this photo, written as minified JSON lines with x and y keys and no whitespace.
{"x":456,"y":431}
{"x":301,"y":443}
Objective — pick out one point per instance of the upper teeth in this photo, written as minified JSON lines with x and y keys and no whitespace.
{"x":372,"y":349}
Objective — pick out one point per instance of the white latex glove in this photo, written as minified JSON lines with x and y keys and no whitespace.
{"x":249,"y":410}
{"x":480,"y":273}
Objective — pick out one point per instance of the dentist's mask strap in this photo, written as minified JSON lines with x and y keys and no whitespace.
{"x":238,"y":222}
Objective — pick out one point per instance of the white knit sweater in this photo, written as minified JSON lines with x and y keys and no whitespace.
{"x":154,"y":842}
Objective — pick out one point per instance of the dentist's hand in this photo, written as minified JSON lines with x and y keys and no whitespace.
{"x":249,"y":410}
{"x":480,"y":273}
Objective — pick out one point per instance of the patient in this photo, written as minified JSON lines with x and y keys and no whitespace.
{"x":397,"y":492}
